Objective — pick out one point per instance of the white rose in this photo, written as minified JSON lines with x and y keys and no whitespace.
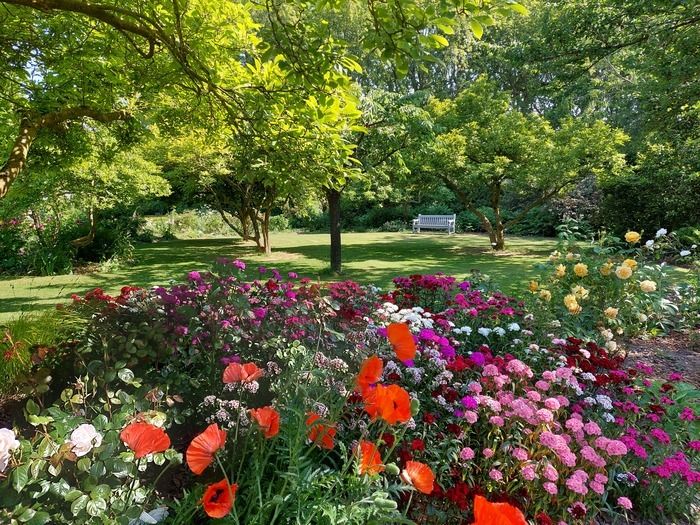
{"x":8,"y":442}
{"x":685,"y":253}
{"x":661,"y":232}
{"x":649,"y":243}
{"x":83,"y":439}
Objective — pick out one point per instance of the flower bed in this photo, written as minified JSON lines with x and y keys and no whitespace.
{"x":274,"y":400}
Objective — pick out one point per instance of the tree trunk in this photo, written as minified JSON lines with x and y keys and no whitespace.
{"x":18,"y":155}
{"x":497,"y":236}
{"x":87,"y":239}
{"x":256,"y":229}
{"x":333,"y":196}
{"x":29,"y":129}
{"x":266,"y":232}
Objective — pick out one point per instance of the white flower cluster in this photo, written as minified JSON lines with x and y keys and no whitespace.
{"x":416,"y":317}
{"x":466,"y":330}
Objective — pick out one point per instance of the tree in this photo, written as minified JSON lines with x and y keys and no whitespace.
{"x":206,"y":47}
{"x":482,"y":143}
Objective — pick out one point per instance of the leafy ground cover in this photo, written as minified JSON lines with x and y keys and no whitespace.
{"x":370,"y":258}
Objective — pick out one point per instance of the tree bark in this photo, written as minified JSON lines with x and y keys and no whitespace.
{"x":333,"y":197}
{"x":29,"y":129}
{"x":498,"y":238}
{"x":266,"y":232}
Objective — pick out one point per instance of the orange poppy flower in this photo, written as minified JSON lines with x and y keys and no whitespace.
{"x":144,"y":438}
{"x":238,"y":373}
{"x":320,"y":434}
{"x":218,"y":499}
{"x":370,"y":458}
{"x":392,"y":403}
{"x":419,"y":476}
{"x":268,"y":419}
{"x":201,"y":451}
{"x":370,"y":372}
{"x":487,"y":513}
{"x":401,"y":339}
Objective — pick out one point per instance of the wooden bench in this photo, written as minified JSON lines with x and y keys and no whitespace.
{"x":435,"y":222}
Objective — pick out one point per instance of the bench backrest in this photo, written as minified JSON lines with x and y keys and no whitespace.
{"x":436,"y":220}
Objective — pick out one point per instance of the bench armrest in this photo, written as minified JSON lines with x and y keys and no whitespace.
{"x":415,"y":221}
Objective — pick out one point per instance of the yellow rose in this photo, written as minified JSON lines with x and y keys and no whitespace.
{"x":632,"y":237}
{"x":554,"y":255}
{"x":648,"y":286}
{"x":570,"y":256}
{"x":581,"y":269}
{"x":546,"y":295}
{"x":606,"y":269}
{"x":623,"y":272}
{"x":572,"y":304}
{"x":560,"y":271}
{"x":580,"y":292}
{"x":611,"y":313}
{"x":631,"y":263}
{"x":534,"y":285}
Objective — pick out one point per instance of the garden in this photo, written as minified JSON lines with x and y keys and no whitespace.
{"x":349,"y":262}
{"x":249,"y":396}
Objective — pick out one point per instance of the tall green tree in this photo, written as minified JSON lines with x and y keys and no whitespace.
{"x":481,"y":142}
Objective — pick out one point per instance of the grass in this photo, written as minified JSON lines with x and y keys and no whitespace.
{"x":368,"y":258}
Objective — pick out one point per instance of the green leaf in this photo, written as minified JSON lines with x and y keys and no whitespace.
{"x":476,"y":28}
{"x":519,"y":8}
{"x":27,"y":515}
{"x":40,"y":518}
{"x":126,"y":375}
{"x":39,"y":420}
{"x":441,"y":40}
{"x":84,"y":464}
{"x":20,"y":477}
{"x":32,"y":408}
{"x":96,"y":507}
{"x":73,"y":495}
{"x":79,"y":504}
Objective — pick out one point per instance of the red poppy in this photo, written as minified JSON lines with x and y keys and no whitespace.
{"x":419,"y":476}
{"x":201,"y":451}
{"x":370,"y":458}
{"x":370,"y":372}
{"x":238,"y":373}
{"x":144,"y":438}
{"x":218,"y":499}
{"x":268,"y":419}
{"x":401,"y":339}
{"x":487,"y":513}
{"x":322,"y":435}
{"x":392,"y":403}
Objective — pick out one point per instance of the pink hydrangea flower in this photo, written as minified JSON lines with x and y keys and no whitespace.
{"x":495,"y":474}
{"x":488,"y":453}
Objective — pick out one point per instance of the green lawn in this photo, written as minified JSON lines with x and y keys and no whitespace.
{"x":368,"y":258}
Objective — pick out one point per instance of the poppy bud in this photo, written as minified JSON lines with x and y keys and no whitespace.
{"x":415,"y":407}
{"x":392,"y":469}
{"x":385,"y":503}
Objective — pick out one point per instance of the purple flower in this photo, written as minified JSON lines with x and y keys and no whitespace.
{"x":239,"y":264}
{"x":470,"y":403}
{"x":194,"y":276}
